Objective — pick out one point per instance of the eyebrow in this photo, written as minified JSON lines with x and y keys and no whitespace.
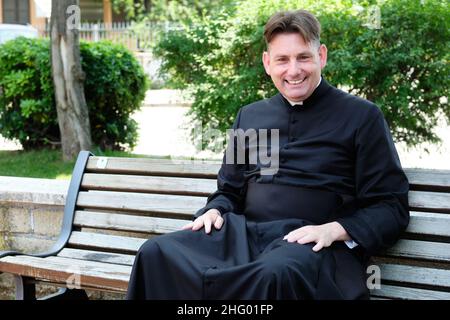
{"x":303,"y":53}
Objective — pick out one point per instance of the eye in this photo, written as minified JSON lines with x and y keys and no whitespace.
{"x":303,"y":57}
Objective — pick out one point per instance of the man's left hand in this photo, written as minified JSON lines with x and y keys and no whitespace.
{"x":323,"y":235}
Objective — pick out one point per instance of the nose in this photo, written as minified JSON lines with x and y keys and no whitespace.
{"x":294,"y":68}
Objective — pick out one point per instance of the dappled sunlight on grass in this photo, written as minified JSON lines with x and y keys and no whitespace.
{"x":63,"y":177}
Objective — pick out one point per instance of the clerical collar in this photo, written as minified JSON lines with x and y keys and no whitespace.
{"x":292,"y":103}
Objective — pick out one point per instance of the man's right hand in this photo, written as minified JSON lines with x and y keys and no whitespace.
{"x":212,"y":217}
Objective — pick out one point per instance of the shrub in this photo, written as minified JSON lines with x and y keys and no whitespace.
{"x":402,"y":66}
{"x":115,"y":86}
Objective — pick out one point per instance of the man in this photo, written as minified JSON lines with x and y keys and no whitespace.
{"x":339,"y":194}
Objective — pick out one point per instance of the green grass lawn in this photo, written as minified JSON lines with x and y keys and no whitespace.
{"x":43,"y":163}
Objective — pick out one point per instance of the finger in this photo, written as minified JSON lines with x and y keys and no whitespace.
{"x":188,"y":226}
{"x":318,"y":246}
{"x":289,"y":236}
{"x":306,"y":239}
{"x":219,"y":223}
{"x":207,"y":225}
{"x":198,"y":224}
{"x":295,"y":235}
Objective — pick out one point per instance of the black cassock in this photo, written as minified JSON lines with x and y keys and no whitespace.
{"x":337,"y":162}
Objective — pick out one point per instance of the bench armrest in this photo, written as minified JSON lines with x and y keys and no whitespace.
{"x":69,"y":210}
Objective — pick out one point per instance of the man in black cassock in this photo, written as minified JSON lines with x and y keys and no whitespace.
{"x":339,"y":194}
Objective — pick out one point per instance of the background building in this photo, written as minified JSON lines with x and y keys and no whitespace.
{"x":37,"y":12}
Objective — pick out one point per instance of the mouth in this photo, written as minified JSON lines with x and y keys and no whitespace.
{"x":296,"y":82}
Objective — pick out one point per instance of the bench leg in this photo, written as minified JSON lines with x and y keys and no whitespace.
{"x":67,"y":294}
{"x":25,"y":288}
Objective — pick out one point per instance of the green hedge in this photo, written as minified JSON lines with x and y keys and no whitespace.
{"x":115,"y":87}
{"x":401,"y":66}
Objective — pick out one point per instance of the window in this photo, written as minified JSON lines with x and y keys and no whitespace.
{"x":16,"y":11}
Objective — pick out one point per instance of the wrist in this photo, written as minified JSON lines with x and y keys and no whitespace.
{"x":216,"y":211}
{"x":338,"y":231}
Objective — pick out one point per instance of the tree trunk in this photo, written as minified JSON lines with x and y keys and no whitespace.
{"x":68,"y":77}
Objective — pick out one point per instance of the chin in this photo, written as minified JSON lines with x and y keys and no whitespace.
{"x":296,"y":97}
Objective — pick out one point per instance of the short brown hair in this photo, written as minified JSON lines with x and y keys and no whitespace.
{"x":300,"y":21}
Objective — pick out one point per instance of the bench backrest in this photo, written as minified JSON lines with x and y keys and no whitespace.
{"x":123,"y":201}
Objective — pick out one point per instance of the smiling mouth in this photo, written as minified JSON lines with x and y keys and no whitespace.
{"x":296,"y":82}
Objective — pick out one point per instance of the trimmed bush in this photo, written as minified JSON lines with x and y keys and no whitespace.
{"x":115,"y":87}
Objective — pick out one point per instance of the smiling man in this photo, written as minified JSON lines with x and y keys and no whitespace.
{"x":339,"y":194}
{"x":294,"y":61}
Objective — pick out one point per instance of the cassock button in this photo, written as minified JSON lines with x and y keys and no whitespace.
{"x":293,"y":139}
{"x":283,"y":160}
{"x":286,"y":147}
{"x":294,"y":121}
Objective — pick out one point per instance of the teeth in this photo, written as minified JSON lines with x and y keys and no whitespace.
{"x":296,"y":81}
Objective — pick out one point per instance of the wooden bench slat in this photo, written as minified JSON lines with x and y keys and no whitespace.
{"x":428,"y":223}
{"x":427,"y":250}
{"x":415,"y":275}
{"x":147,"y":166}
{"x":123,"y":222}
{"x":395,"y":292}
{"x":105,"y":257}
{"x":105,"y":242}
{"x":433,"y":201}
{"x":429,"y":178}
{"x":61,"y":270}
{"x":127,"y":201}
{"x":130,"y":183}
{"x":423,"y":223}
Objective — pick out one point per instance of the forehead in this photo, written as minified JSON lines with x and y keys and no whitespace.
{"x":286,"y":43}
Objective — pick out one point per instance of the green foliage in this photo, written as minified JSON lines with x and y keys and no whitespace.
{"x":168,"y":10}
{"x":401,"y":66}
{"x":115,"y":86}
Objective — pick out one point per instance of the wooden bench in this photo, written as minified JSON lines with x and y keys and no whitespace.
{"x":114,"y":204}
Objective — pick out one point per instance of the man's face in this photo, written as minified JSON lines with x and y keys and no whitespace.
{"x":294,"y":65}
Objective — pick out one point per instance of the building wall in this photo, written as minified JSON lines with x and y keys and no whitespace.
{"x":107,"y":11}
{"x":34,"y":20}
{"x":91,"y":11}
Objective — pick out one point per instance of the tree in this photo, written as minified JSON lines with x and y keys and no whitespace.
{"x":68,"y":78}
{"x":400,"y":64}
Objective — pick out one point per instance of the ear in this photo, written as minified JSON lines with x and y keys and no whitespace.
{"x":323,"y":51}
{"x":266,"y":61}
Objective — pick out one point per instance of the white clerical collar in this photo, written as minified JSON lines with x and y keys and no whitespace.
{"x":292,"y":103}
